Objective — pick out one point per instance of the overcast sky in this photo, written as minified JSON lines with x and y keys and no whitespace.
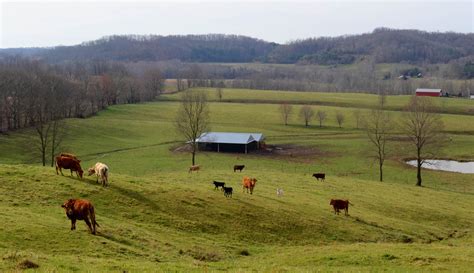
{"x":47,"y":23}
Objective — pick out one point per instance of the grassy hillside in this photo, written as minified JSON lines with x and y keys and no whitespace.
{"x":157,"y":217}
{"x":357,"y":100}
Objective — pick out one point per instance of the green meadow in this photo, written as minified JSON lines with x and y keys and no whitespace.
{"x":157,"y":217}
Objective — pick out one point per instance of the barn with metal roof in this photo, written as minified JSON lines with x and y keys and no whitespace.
{"x":230,"y":142}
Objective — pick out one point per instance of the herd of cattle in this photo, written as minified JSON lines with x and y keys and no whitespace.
{"x":79,"y":209}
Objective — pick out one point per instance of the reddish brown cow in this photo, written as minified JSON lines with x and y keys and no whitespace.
{"x":80,"y":209}
{"x":338,"y":204}
{"x":63,"y":162}
{"x":69,"y":155}
{"x":248,"y":183}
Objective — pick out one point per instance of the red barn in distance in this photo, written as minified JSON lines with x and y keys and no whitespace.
{"x":429,"y":92}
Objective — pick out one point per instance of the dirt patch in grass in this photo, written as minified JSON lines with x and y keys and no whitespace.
{"x":202,"y":254}
{"x":295,"y":153}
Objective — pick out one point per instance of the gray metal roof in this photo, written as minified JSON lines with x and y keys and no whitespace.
{"x":427,"y":90}
{"x":231,"y":138}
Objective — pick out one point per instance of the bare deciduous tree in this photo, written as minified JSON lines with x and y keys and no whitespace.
{"x":422,"y":126}
{"x":321,"y":117}
{"x":285,"y":111}
{"x":219,"y":93}
{"x":193,"y":118}
{"x":358,"y":118}
{"x":42,"y":129}
{"x":306,"y":113}
{"x":58,"y":133}
{"x":378,"y":126}
{"x":340,"y":118}
{"x":154,"y":82}
{"x":382,"y":99}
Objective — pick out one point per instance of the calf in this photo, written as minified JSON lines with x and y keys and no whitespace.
{"x":338,"y":204}
{"x":194,"y":168}
{"x":80,"y":209}
{"x":102,"y":171}
{"x":239,"y":167}
{"x":279,"y":192}
{"x":218,"y":184}
{"x":72,"y":164}
{"x":227,"y":191}
{"x":318,"y":176}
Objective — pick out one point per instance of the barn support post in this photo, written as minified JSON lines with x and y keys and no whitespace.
{"x":245,"y":148}
{"x":218,"y":147}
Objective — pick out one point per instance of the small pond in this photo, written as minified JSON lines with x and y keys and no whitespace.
{"x":446,"y":165}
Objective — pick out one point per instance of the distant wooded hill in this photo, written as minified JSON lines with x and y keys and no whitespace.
{"x":383,"y":45}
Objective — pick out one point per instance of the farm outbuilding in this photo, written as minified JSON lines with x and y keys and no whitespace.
{"x":230,"y":142}
{"x":429,"y":92}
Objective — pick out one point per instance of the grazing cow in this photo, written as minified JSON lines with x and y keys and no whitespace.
{"x":227,"y":191}
{"x":194,"y":168}
{"x":248,"y":183}
{"x":279,"y":192}
{"x":80,"y":209}
{"x":102,"y":171}
{"x":318,"y":176}
{"x":338,"y":204}
{"x":72,"y":164}
{"x":70,"y":156}
{"x":218,"y":184}
{"x":239,"y":167}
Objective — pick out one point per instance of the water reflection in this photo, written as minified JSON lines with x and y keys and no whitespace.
{"x":446,"y":165}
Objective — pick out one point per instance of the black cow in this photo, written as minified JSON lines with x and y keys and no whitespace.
{"x":227,"y":191}
{"x":218,"y":184}
{"x":239,"y":167}
{"x":318,"y":176}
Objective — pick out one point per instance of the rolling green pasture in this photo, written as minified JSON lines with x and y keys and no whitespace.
{"x":358,"y":100}
{"x":155,"y":216}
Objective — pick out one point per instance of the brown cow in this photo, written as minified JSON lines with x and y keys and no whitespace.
{"x":248,"y":183}
{"x":338,"y":204}
{"x":63,"y":162}
{"x":80,"y":209}
{"x":194,"y":168}
{"x":69,"y":155}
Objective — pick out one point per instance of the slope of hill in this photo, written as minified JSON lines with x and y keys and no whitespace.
{"x":175,"y":221}
{"x":189,"y":48}
{"x":155,"y":216}
{"x":383,"y":45}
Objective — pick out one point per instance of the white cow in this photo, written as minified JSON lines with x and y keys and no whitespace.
{"x":102,"y":171}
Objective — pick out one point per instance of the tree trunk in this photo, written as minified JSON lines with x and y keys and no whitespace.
{"x":43,"y":156}
{"x":418,"y":173}
{"x":52,"y":156}
{"x":381,"y":172}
